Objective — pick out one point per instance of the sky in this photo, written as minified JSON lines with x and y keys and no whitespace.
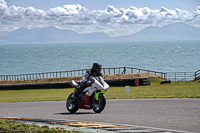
{"x":112,"y":17}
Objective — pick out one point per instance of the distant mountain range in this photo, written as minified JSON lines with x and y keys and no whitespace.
{"x":175,"y":31}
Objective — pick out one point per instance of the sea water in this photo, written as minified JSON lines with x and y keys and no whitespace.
{"x":166,"y":56}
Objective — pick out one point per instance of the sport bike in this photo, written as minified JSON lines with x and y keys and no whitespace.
{"x":92,"y":97}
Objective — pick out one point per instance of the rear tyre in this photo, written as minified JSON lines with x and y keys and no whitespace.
{"x":71,"y":107}
{"x":99,"y":105}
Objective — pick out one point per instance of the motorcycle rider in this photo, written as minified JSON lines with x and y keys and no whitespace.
{"x":94,"y":71}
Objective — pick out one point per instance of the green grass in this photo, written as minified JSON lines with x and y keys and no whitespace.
{"x":12,"y":126}
{"x":155,"y":90}
{"x":173,"y":90}
{"x":34,"y":95}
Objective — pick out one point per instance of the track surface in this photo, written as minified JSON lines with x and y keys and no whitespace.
{"x":175,"y":114}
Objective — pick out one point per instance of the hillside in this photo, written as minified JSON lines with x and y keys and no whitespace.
{"x":175,"y":31}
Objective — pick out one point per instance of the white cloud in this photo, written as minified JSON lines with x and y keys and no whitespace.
{"x":78,"y":18}
{"x":3,"y":7}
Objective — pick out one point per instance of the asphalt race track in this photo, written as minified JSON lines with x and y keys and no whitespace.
{"x":175,"y":114}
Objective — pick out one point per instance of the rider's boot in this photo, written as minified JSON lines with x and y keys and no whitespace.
{"x":80,"y":94}
{"x":80,"y":98}
{"x":77,"y":97}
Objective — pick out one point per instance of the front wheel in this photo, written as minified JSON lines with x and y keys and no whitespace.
{"x":99,"y":105}
{"x":71,"y":107}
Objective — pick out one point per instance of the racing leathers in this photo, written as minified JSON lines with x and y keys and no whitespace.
{"x":85,"y":79}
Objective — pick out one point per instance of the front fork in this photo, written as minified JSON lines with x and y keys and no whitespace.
{"x":97,"y":94}
{"x":74,"y":93}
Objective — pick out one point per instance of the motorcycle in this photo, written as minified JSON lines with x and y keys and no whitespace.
{"x":92,"y":97}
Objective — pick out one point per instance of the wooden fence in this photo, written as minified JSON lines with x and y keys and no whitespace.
{"x":81,"y":72}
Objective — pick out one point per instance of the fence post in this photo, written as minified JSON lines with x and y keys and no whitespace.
{"x":124,"y":70}
{"x":195,"y":74}
{"x":185,"y":76}
{"x":175,"y":76}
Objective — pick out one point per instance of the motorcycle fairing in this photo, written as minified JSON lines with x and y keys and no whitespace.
{"x":89,"y":90}
{"x":96,"y":86}
{"x":85,"y":104}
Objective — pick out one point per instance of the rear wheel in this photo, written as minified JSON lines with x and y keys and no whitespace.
{"x":71,"y":107}
{"x":99,"y":105}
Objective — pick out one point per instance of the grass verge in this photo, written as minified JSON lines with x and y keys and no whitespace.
{"x":12,"y":126}
{"x":155,"y":90}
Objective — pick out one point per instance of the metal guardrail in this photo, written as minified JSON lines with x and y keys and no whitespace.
{"x":81,"y":72}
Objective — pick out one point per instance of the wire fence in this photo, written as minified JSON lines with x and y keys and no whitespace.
{"x":81,"y":72}
{"x":180,"y":76}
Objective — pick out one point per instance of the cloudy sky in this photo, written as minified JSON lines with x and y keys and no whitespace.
{"x":112,"y":17}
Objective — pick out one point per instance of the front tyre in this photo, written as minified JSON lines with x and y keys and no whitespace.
{"x":71,"y":107}
{"x":99,"y":105}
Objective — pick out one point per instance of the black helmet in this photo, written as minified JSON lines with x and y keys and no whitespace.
{"x":96,"y":67}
